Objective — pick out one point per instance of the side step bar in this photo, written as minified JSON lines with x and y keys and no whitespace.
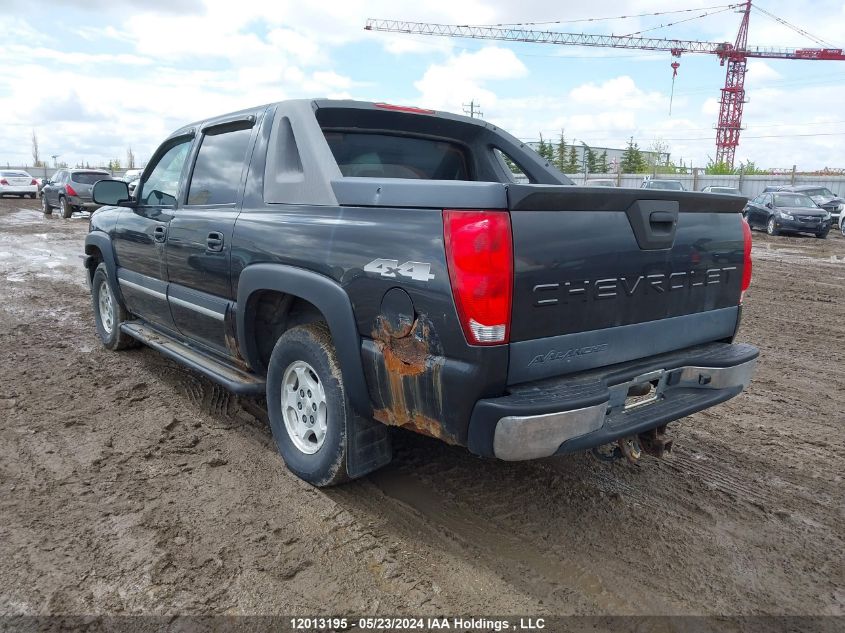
{"x":234,"y":379}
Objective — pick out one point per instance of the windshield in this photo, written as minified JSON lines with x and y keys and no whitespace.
{"x":88,"y":177}
{"x":793,"y":200}
{"x":822,"y":191}
{"x":672,"y":185}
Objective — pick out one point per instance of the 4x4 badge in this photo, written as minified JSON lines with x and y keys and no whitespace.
{"x":418,"y":271}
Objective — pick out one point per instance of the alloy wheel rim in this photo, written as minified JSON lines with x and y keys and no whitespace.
{"x":304,"y":407}
{"x":770,"y":227}
{"x":106,"y":306}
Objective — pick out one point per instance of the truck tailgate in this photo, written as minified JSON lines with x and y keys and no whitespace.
{"x":608,"y":275}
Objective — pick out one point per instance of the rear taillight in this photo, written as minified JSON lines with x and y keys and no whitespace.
{"x":70,"y":190}
{"x":3,"y":181}
{"x":479,"y":254}
{"x":34,"y":182}
{"x":746,"y":263}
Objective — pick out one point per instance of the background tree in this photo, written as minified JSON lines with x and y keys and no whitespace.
{"x":114,"y":164}
{"x":603,"y":166}
{"x":592,"y":161}
{"x":632,"y":159}
{"x":36,"y":156}
{"x":542,"y":148}
{"x":718,"y":169}
{"x":560,"y":152}
{"x":572,"y":162}
{"x":130,"y":158}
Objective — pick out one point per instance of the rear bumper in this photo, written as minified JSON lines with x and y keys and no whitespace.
{"x":18,"y":190}
{"x":586,"y":410}
{"x":82,"y":203}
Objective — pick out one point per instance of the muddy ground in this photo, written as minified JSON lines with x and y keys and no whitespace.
{"x":131,"y":485}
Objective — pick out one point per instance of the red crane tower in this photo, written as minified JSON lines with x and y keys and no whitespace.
{"x":735,"y":56}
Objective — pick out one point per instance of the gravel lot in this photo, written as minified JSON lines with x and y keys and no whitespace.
{"x":131,"y":485}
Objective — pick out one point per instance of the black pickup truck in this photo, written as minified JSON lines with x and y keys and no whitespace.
{"x":365,"y":265}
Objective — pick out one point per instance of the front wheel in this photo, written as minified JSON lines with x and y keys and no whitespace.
{"x":67,"y":210}
{"x":771,"y":229}
{"x":822,"y":235}
{"x":307,"y":405}
{"x":46,"y":207}
{"x":109,"y":313}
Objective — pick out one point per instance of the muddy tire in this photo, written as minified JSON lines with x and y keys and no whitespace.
{"x":32,"y":195}
{"x":65,"y":207}
{"x":822,"y":236}
{"x":46,"y":207}
{"x":109,"y":313}
{"x":307,"y":405}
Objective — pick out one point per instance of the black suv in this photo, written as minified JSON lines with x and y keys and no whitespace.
{"x":366,"y":266}
{"x":70,"y":190}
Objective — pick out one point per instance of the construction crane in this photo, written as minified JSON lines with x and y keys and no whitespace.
{"x":735,"y":56}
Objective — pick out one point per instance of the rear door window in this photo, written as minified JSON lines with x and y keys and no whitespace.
{"x":377,"y":155}
{"x":220,"y":161}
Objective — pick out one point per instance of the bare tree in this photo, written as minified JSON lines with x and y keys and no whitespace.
{"x":36,"y":156}
{"x":130,"y":159}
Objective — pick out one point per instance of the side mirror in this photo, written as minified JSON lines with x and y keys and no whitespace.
{"x":114,"y":192}
{"x":769,"y":205}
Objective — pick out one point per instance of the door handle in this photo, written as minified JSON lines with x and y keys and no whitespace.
{"x":214,"y":241}
{"x":160,"y":233}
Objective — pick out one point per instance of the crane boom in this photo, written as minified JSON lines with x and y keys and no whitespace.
{"x":721,"y":49}
{"x":735,"y":55}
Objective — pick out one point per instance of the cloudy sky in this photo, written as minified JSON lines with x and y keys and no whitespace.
{"x":94,"y":77}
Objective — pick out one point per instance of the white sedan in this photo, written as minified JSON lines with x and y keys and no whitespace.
{"x":17,"y":183}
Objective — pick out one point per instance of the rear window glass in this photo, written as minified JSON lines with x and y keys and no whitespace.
{"x":372,"y":155}
{"x":88,"y":177}
{"x":14,"y":174}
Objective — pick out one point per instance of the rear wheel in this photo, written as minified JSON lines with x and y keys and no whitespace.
{"x":307,"y":405}
{"x":64,"y":205}
{"x":771,"y":229}
{"x":46,"y":207}
{"x":32,"y":195}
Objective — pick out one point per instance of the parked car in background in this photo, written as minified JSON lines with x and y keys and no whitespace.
{"x":787,"y":212}
{"x":131,"y":178}
{"x":14,"y":182}
{"x":600,"y":182}
{"x":70,"y":190}
{"x":823,"y":197}
{"x":131,"y":175}
{"x":733,"y":191}
{"x":666,"y":185}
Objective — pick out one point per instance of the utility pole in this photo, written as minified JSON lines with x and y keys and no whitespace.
{"x":473,"y":109}
{"x":55,"y":161}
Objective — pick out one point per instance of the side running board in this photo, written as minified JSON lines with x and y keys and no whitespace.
{"x":234,"y":379}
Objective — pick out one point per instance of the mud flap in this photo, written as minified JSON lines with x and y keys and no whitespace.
{"x":369,"y":446}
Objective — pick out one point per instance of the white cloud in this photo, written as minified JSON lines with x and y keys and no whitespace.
{"x":446,"y":86}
